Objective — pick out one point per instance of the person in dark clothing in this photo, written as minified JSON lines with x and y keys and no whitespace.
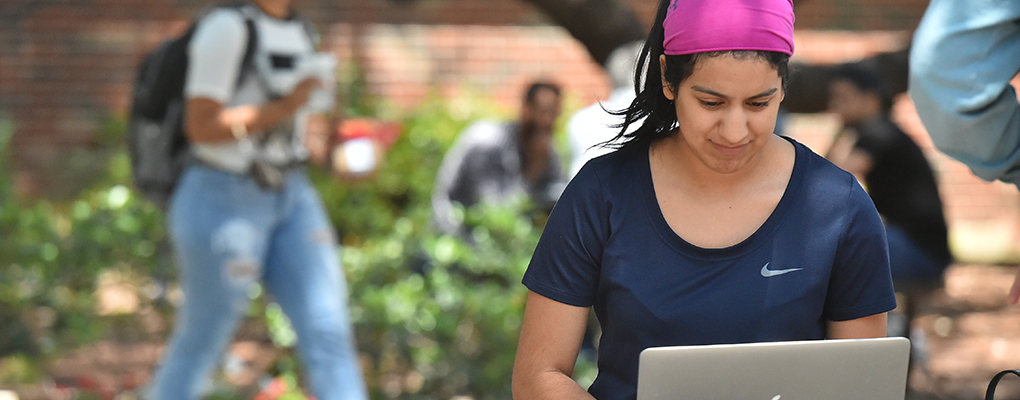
{"x":498,"y":163}
{"x":903,"y":187}
{"x":704,"y":226}
{"x":895,"y":172}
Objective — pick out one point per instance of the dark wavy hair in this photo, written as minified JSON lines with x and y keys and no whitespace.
{"x":867,"y":80}
{"x":651,"y":104}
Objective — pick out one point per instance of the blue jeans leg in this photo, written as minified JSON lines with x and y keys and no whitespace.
{"x":219,"y":248}
{"x":908,"y":261}
{"x":227,"y":235}
{"x":303,"y":275}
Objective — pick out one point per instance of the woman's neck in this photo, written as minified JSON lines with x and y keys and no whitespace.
{"x":689,"y":171}
{"x":274,"y":8}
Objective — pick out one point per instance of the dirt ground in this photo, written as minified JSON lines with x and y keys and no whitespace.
{"x":969,"y":334}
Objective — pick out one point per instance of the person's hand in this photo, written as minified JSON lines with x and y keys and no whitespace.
{"x":538,"y":147}
{"x":299,"y":96}
{"x":1014,"y":293}
{"x":317,"y":139}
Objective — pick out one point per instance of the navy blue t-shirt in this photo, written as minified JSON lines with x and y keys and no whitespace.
{"x":821,"y":255}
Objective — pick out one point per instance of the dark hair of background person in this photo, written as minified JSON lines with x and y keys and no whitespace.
{"x":535,"y":88}
{"x":866,"y":80}
{"x":651,"y":104}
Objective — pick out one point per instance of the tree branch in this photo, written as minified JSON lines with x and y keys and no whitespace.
{"x":601,"y":25}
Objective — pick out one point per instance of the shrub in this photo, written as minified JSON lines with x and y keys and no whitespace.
{"x":51,"y":255}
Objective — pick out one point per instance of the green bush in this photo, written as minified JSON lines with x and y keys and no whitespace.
{"x":448,"y":328}
{"x":434,"y":317}
{"x":51,"y":255}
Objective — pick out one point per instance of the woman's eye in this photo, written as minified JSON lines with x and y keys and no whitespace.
{"x":759,"y":104}
{"x":710,"y":103}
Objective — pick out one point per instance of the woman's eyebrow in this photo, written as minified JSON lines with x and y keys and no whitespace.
{"x":717,"y":94}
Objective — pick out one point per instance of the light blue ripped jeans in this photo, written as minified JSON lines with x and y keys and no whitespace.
{"x":228,"y":234}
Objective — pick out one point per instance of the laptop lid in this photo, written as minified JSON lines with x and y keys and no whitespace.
{"x":874,"y":369}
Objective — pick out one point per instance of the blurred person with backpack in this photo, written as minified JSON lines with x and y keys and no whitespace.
{"x":244,"y":210}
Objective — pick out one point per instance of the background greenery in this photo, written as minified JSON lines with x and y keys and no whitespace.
{"x":435,"y":318}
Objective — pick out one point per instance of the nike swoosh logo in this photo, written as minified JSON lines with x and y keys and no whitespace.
{"x":768,"y":273}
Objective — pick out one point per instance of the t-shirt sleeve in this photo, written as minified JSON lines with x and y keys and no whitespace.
{"x":962,"y":58}
{"x":566,"y":263}
{"x":214,"y":56}
{"x":861,"y":281}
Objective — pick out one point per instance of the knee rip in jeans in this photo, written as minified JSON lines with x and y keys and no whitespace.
{"x":241,"y":274}
{"x":237,"y":240}
{"x":241,"y":270}
{"x":324,"y":236}
{"x":236,"y":236}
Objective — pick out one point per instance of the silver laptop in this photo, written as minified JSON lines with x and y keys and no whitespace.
{"x":858,"y":369}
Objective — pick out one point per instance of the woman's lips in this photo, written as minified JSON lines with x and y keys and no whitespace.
{"x":730,"y":150}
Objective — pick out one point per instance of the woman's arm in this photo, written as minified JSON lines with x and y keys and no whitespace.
{"x":845,"y":154}
{"x":962,"y":59}
{"x":207,"y":121}
{"x":872,"y":326}
{"x":215,"y":56}
{"x":547,"y":351}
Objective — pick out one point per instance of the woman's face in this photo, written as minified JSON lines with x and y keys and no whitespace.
{"x":727,"y":109}
{"x":852,"y":104}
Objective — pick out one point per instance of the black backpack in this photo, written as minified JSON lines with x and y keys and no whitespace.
{"x":157,"y":143}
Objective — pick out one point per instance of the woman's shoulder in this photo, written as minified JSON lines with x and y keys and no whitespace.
{"x":820,"y":178}
{"x":221,"y":24}
{"x":485,"y":135}
{"x":620,"y":165}
{"x":223,"y":18}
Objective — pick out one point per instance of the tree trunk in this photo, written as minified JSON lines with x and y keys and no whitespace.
{"x":601,"y":25}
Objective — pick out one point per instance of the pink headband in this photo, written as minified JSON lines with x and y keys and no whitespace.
{"x":695,"y":26}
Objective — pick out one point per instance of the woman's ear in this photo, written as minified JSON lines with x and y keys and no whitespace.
{"x":667,"y":88}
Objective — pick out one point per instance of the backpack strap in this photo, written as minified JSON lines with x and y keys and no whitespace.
{"x":313,"y":34}
{"x":249,"y":12}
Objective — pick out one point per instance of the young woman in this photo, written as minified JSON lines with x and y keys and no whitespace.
{"x":704,"y":227}
{"x":234,"y":227}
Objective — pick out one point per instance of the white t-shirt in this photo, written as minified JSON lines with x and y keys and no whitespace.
{"x":215,"y":54}
{"x":592,"y":125}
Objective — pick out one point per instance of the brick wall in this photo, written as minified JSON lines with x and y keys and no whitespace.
{"x":66,"y":67}
{"x":859,"y":15}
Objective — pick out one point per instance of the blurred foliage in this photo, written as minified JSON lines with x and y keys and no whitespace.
{"x":51,"y":255}
{"x":451,"y":327}
{"x":435,"y":317}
